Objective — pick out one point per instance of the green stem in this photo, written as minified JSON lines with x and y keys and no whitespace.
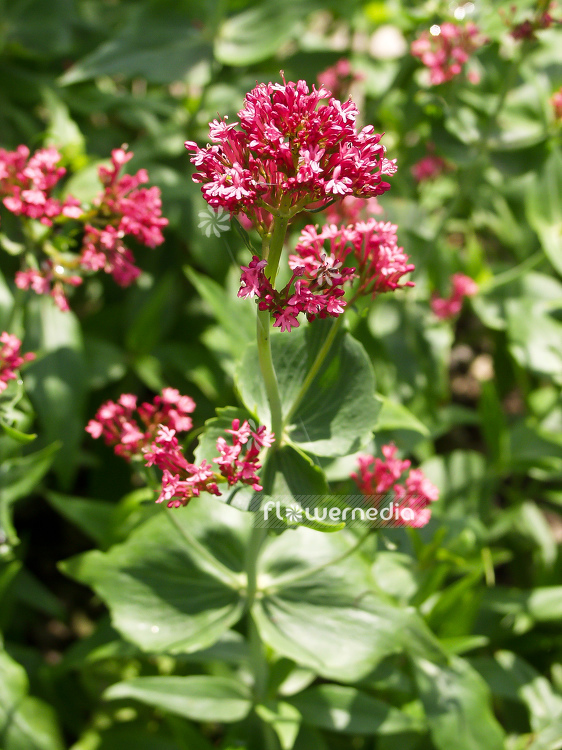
{"x":258,"y":657}
{"x":512,"y":273}
{"x":290,"y":579}
{"x":203,"y":552}
{"x":318,"y":362}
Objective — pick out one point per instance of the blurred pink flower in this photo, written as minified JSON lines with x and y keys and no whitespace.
{"x":447,"y":307}
{"x":445,"y":49}
{"x":10,"y":358}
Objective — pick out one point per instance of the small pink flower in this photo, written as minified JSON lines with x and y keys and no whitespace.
{"x":445,"y":49}
{"x":448,"y":307}
{"x":10,"y":358}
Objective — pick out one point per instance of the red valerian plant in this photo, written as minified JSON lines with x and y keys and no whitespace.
{"x":123,"y":209}
{"x":448,"y":307}
{"x":10,"y":358}
{"x":151,"y":438}
{"x":445,"y":50}
{"x":376,"y":477}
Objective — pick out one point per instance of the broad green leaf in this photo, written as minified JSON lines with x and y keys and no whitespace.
{"x":543,"y":204}
{"x":150,"y":311}
{"x":351,"y":711}
{"x":335,"y":414}
{"x":56,"y":381}
{"x":329,"y":620}
{"x":535,"y":338}
{"x":158,"y":43}
{"x":198,"y":698}
{"x":93,"y":517}
{"x":105,"y":362}
{"x":26,"y":723}
{"x":549,"y":738}
{"x":40,"y":28}
{"x":457,"y":704}
{"x":257,"y":32}
{"x":20,"y":437}
{"x":182,"y":574}
{"x":236,"y":316}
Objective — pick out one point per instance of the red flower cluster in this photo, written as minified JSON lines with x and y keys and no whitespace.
{"x":447,"y":307}
{"x":119,"y":428}
{"x":376,"y":477}
{"x":556,"y":101}
{"x":429,"y":167}
{"x":26,"y":183}
{"x":290,"y":145}
{"x":10,"y":358}
{"x":339,"y":78}
{"x":445,"y":49}
{"x":154,"y":440}
{"x":127,"y":209}
{"x":122,"y":209}
{"x":350,"y":210}
{"x":237,"y":462}
{"x":527,"y":29}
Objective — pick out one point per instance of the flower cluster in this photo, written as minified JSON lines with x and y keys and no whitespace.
{"x":429,"y":167}
{"x":350,"y":210}
{"x":316,"y":287}
{"x":116,"y":423}
{"x":122,"y":209}
{"x":293,"y":145}
{"x":10,"y":358}
{"x":26,"y":183}
{"x":339,"y":78}
{"x":447,"y":307}
{"x":151,"y":436}
{"x":527,"y":29}
{"x":376,"y":477}
{"x":446,"y":48}
{"x":237,"y":462}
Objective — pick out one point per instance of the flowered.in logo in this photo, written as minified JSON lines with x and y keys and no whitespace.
{"x":214,"y":221}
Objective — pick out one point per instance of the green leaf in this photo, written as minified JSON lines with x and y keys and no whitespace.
{"x":182,"y":581}
{"x":26,"y":723}
{"x":395,"y":416}
{"x":105,"y":362}
{"x":20,"y":437}
{"x":351,"y":711}
{"x":18,"y":477}
{"x":535,"y":338}
{"x":543,"y":205}
{"x":457,"y":704}
{"x":158,"y":43}
{"x":285,"y":720}
{"x":336,"y":413}
{"x":198,"y":698}
{"x":258,"y":32}
{"x":235,"y":316}
{"x":329,"y":620}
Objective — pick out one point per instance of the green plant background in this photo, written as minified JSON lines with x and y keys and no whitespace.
{"x":126,"y":627}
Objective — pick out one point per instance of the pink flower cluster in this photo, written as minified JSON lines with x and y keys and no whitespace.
{"x":127,"y":209}
{"x":350,"y":210}
{"x":429,"y":167}
{"x":116,"y":423}
{"x":339,"y":78}
{"x":237,"y":462}
{"x":526,"y":29}
{"x":152,"y":438}
{"x":26,"y":183}
{"x":447,"y":307}
{"x":292,"y":144}
{"x":122,"y":209}
{"x":376,"y":477}
{"x":10,"y":358}
{"x":446,"y":48}
{"x":319,"y":274}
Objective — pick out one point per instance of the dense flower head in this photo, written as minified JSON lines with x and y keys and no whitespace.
{"x":10,"y":358}
{"x":429,"y":167}
{"x":378,"y":477}
{"x":448,"y":307}
{"x":445,"y":50}
{"x":120,"y":428}
{"x":26,"y":183}
{"x":290,"y":142}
